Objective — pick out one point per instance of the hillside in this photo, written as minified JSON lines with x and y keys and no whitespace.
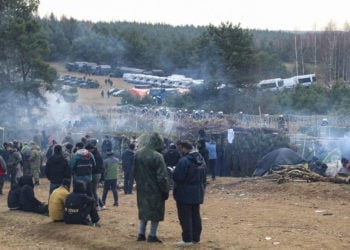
{"x":92,"y":97}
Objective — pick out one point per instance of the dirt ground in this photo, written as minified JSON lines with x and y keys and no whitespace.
{"x":237,"y":214}
{"x":93,"y":96}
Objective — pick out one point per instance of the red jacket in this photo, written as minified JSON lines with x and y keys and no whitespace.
{"x":2,"y":166}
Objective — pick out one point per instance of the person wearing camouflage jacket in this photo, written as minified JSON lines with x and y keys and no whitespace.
{"x":35,"y":162}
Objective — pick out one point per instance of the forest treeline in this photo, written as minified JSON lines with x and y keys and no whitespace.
{"x":225,"y":55}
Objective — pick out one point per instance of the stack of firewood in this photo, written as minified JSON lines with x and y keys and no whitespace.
{"x":300,"y":172}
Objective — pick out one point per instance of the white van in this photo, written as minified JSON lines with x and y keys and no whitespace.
{"x":306,"y":80}
{"x":275,"y":84}
{"x":290,"y":83}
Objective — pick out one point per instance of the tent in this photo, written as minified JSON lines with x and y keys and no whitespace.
{"x":282,"y":156}
{"x":139,"y":93}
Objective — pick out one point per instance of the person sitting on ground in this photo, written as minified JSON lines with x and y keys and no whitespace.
{"x":57,"y":201}
{"x":13,"y":197}
{"x":27,"y":200}
{"x":80,"y":208}
{"x":345,"y":169}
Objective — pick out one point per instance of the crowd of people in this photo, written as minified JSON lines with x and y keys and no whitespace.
{"x":155,"y":165}
{"x":155,"y":168}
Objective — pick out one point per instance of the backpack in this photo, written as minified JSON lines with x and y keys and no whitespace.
{"x":83,"y":167}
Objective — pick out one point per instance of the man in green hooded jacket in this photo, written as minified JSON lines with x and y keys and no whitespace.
{"x":151,"y":185}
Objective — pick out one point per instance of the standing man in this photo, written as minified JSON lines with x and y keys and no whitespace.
{"x":68,"y":139}
{"x":171,"y":158}
{"x":81,"y":165}
{"x":96,"y":173}
{"x":212,"y":156}
{"x":127,"y":165}
{"x":35,"y":162}
{"x":106,"y":146}
{"x":26,"y":152}
{"x":151,"y":186}
{"x":57,"y":169}
{"x":13,"y":161}
{"x":111,"y":165}
{"x":189,"y":188}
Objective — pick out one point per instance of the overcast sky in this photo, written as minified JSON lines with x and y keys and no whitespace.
{"x":253,"y":14}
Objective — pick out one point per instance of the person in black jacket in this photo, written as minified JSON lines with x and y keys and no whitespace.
{"x":57,"y":168}
{"x":13,"y":197}
{"x":96,"y":173}
{"x":202,"y":149}
{"x":80,"y":208}
{"x":27,"y":200}
{"x":127,"y":165}
{"x":189,"y":188}
{"x":171,"y":158}
{"x":106,"y":146}
{"x":50,"y":150}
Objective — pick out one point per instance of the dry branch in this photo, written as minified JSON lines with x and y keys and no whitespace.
{"x":293,"y":173}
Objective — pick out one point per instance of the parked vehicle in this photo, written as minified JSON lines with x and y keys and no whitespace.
{"x":306,"y":80}
{"x":279,"y":84}
{"x":275,"y":85}
{"x":103,"y":70}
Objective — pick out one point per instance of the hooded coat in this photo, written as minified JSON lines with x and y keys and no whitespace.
{"x":57,"y":169}
{"x":27,"y":200}
{"x":128,"y":160}
{"x":13,"y":197}
{"x":151,"y":179}
{"x":35,"y":158}
{"x":80,"y":158}
{"x":190,"y":179}
{"x":172,"y":157}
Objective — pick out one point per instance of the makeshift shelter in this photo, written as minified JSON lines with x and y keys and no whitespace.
{"x":139,"y":93}
{"x":278,"y":157}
